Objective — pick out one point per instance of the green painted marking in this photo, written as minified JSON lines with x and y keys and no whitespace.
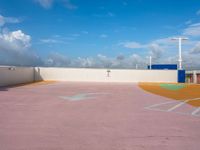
{"x":173,"y":87}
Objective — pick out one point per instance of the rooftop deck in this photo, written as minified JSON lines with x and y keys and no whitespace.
{"x":95,"y":116}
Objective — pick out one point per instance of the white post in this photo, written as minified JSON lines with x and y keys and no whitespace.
{"x":194,"y":76}
{"x":150,"y":62}
{"x":180,"y":53}
{"x":180,"y":39}
{"x":136,"y":66}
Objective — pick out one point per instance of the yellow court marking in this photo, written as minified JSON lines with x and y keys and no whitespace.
{"x":190,"y":92}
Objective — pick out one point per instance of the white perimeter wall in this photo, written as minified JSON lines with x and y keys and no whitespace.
{"x":100,"y":75}
{"x":16,"y":75}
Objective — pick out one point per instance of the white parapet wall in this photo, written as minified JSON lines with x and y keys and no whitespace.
{"x":15,"y":75}
{"x":101,"y":75}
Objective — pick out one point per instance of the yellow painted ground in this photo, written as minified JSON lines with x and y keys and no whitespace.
{"x":190,"y":91}
{"x":35,"y":83}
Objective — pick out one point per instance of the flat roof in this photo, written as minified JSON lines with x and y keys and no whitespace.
{"x":94,"y":116}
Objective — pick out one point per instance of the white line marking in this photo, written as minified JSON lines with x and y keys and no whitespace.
{"x":178,"y":105}
{"x":156,"y":109}
{"x":182,"y":113}
{"x":182,"y":103}
{"x":196,"y":111}
{"x":192,"y":99}
{"x":160,"y":104}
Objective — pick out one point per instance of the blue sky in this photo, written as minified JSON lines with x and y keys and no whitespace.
{"x":98,"y":33}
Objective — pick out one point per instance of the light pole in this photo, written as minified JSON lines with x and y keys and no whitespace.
{"x":180,"y":39}
{"x":136,"y":66}
{"x":150,"y":62}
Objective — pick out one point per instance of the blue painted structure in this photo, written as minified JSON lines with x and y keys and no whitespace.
{"x":181,"y":76}
{"x":163,"y":66}
{"x":181,"y":73}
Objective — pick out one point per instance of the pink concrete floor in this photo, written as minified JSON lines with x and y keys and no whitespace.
{"x":37,"y":118}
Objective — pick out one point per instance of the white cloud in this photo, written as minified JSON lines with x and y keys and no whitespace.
{"x":5,"y":20}
{"x":99,"y":61}
{"x":191,"y":61}
{"x":69,"y":5}
{"x":195,"y":25}
{"x":198,"y":12}
{"x":15,"y":49}
{"x":103,"y":61}
{"x":48,"y":3}
{"x":57,"y":60}
{"x":163,"y":41}
{"x":14,"y":41}
{"x":104,"y":15}
{"x":195,"y":49}
{"x":192,"y":30}
{"x":188,"y":22}
{"x":132,"y":45}
{"x":120,"y":61}
{"x":51,"y":41}
{"x":103,"y":36}
{"x":156,"y":51}
{"x":45,"y":3}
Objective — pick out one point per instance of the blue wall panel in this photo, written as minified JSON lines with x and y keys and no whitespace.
{"x":181,"y":76}
{"x":163,"y":66}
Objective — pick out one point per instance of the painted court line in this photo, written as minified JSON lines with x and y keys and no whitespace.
{"x":178,"y":105}
{"x":160,"y":104}
{"x":175,"y":107}
{"x":196,"y":111}
{"x":162,"y":110}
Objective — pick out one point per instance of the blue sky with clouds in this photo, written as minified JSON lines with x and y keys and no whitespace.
{"x":98,"y":33}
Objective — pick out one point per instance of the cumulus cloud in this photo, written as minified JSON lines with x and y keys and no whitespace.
{"x":195,"y":49}
{"x":103,"y":61}
{"x":5,"y":20}
{"x":191,"y":61}
{"x":15,"y":47}
{"x":57,"y":60}
{"x":100,"y":61}
{"x":14,"y":41}
{"x":156,"y":51}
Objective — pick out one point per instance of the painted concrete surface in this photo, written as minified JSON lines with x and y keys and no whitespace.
{"x":187,"y":93}
{"x":37,"y":118}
